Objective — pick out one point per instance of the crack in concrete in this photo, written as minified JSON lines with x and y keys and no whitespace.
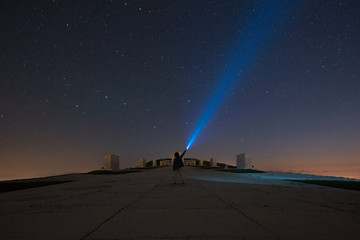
{"x":120,"y":210}
{"x":322,"y":205}
{"x":237,"y":210}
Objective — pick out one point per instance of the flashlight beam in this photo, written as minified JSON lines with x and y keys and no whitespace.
{"x":257,"y":35}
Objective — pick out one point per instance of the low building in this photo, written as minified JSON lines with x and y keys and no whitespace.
{"x":187,"y":162}
{"x":165,"y":162}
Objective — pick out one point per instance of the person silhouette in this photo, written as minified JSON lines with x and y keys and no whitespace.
{"x":177,"y":165}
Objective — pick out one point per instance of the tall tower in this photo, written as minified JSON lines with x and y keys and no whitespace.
{"x":142,"y":162}
{"x":111,"y":162}
{"x":213,"y":162}
{"x":243,"y":161}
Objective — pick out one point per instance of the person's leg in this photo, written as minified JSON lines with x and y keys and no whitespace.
{"x":181,"y":177}
{"x":175,"y":176}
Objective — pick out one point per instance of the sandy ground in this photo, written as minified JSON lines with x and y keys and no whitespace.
{"x":211,"y":205}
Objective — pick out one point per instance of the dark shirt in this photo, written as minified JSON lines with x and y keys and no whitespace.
{"x":178,"y":162}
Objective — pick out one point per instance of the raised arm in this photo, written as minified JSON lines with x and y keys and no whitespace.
{"x":183,"y":153}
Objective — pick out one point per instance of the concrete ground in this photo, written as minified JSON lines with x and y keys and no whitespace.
{"x":146,"y":205}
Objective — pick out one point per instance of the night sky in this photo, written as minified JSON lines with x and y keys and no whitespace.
{"x":80,"y":79}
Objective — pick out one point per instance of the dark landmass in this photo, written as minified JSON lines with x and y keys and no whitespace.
{"x":104,"y":172}
{"x":8,"y":186}
{"x":242,"y":170}
{"x":350,"y":185}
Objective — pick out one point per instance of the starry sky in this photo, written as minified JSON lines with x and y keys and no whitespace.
{"x":83,"y":78}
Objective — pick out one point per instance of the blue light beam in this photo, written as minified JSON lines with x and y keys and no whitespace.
{"x":255,"y":37}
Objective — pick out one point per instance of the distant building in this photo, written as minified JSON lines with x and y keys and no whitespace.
{"x":213,"y":162}
{"x":243,"y":161}
{"x":111,"y":162}
{"x":142,"y":162}
{"x":187,"y":162}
